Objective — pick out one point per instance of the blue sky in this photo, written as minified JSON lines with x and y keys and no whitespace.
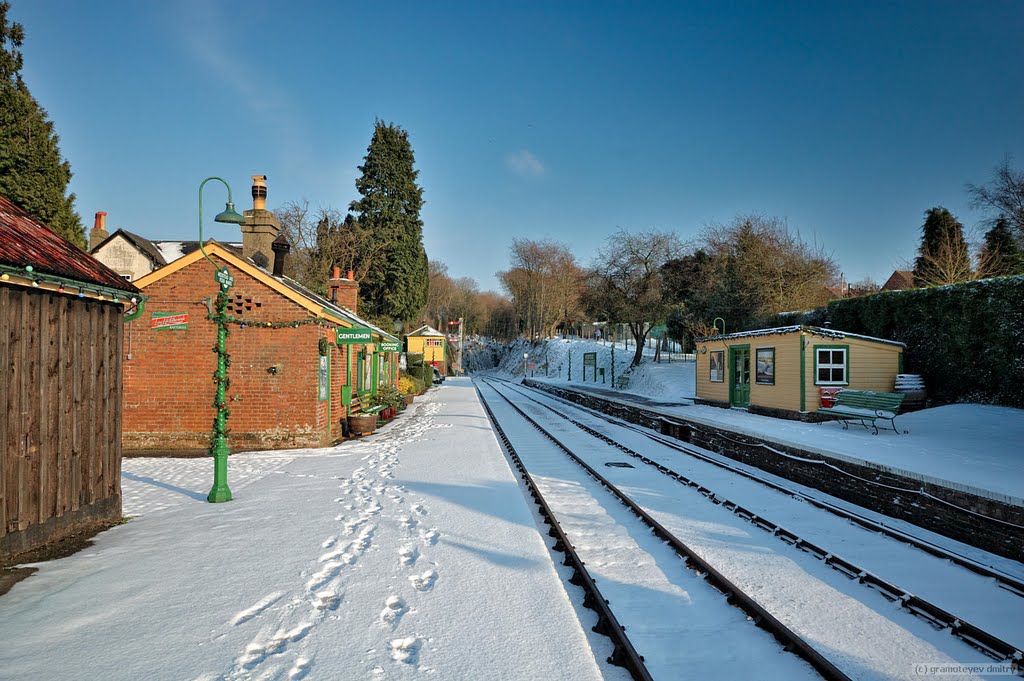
{"x":540,"y":120}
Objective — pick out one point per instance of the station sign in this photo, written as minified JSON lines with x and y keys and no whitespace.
{"x":390,"y":346}
{"x":357,"y":335}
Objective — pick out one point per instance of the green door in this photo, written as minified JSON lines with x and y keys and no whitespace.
{"x":739,"y":386}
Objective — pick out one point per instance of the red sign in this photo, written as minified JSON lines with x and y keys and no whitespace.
{"x":168,"y":321}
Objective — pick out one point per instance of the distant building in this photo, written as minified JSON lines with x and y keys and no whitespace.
{"x":61,"y":314}
{"x":781,"y":371}
{"x":900,"y":280}
{"x":431,"y":343}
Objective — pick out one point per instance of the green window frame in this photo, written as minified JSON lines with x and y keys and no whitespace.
{"x":831,"y":365}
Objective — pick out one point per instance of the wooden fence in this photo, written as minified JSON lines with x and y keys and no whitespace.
{"x":60,"y":416}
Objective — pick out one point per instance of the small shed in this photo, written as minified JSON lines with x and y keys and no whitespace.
{"x":781,"y":371}
{"x":432,"y":344}
{"x":62,"y":317}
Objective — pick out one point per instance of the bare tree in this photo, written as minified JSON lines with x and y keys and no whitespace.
{"x":322,"y":239}
{"x":544,"y":284}
{"x":1003,"y":195}
{"x":625,"y":282}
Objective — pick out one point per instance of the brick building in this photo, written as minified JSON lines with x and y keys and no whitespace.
{"x":293,"y":376}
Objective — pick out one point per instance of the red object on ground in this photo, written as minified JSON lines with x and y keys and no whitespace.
{"x":828,"y":396}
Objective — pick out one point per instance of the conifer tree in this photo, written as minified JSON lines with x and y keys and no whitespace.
{"x":32,"y":173}
{"x":1000,"y":254}
{"x":394,"y":286}
{"x":942,"y":257}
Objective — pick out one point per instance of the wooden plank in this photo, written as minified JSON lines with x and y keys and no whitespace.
{"x":118,"y":409}
{"x":66,"y":355}
{"x":81,"y":331}
{"x":40,"y":391}
{"x":5,"y":347}
{"x":28,"y":485}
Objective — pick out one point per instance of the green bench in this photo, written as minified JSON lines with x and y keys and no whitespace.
{"x":865,"y":407}
{"x":372,"y":410}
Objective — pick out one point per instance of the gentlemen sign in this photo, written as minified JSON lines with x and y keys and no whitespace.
{"x":354,"y":336}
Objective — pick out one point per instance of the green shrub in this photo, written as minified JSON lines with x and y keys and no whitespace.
{"x":966,"y":340}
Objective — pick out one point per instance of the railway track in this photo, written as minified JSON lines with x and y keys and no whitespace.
{"x":935,"y":616}
{"x":1004,"y":581}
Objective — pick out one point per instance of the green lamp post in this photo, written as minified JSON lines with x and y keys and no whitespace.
{"x":218,"y":439}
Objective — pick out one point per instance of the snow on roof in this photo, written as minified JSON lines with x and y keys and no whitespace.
{"x":813,"y":330}
{"x":426,"y":330}
{"x":172,"y":250}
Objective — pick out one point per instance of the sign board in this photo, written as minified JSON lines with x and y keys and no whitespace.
{"x":324,"y":384}
{"x":174,"y":321}
{"x":589,"y":360}
{"x":224,"y":278}
{"x":390,"y":346}
{"x":356,"y":335}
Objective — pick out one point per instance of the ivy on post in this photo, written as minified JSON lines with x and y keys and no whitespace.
{"x":218,"y":438}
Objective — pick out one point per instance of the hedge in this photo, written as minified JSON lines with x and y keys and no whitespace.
{"x":966,"y":340}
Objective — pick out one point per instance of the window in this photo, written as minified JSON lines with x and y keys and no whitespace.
{"x":830,"y":366}
{"x":765,"y":368}
{"x":126,"y":277}
{"x":717,"y":366}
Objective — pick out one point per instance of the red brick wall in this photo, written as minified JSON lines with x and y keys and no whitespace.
{"x":168,"y":384}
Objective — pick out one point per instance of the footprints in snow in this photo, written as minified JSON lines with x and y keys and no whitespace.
{"x":367,"y":496}
{"x":394,"y":608}
{"x":405,"y":650}
{"x":259,"y":607}
{"x":424,"y":582}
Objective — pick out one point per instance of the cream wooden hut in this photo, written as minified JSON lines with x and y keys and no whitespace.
{"x":782,"y":371}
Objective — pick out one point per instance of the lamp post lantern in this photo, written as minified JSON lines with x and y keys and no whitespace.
{"x":218,"y":438}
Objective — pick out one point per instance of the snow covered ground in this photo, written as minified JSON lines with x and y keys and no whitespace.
{"x":409,"y":554}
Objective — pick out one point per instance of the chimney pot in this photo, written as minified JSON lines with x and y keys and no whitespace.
{"x":336,"y":272}
{"x":99,"y":229}
{"x":350,"y":276}
{"x":259,"y":192}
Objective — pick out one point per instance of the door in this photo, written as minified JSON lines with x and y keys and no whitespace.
{"x":739,"y":385}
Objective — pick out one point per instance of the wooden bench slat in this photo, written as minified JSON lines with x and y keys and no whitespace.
{"x":864,"y":406}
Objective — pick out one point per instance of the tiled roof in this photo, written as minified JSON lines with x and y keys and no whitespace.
{"x":426,"y":330}
{"x":899,"y":280}
{"x":172,"y":250}
{"x":24,"y":242}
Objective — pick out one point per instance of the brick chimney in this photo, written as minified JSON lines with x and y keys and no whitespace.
{"x":344,"y":290}
{"x":261,"y":226}
{"x":99,"y":229}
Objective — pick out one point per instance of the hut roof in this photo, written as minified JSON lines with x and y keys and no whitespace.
{"x":24,"y":242}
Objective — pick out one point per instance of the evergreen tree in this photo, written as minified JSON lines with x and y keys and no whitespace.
{"x":942,"y":257}
{"x":1000,"y":254}
{"x":394,"y":286}
{"x":32,"y":173}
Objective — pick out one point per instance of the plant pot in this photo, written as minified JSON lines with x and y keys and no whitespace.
{"x":362,"y":424}
{"x":408,"y":399}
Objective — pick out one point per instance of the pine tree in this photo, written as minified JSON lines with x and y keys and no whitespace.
{"x":1000,"y":254}
{"x":942,"y":257}
{"x":32,"y":173}
{"x":394,"y":286}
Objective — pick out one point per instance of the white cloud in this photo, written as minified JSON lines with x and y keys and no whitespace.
{"x":525,"y":164}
